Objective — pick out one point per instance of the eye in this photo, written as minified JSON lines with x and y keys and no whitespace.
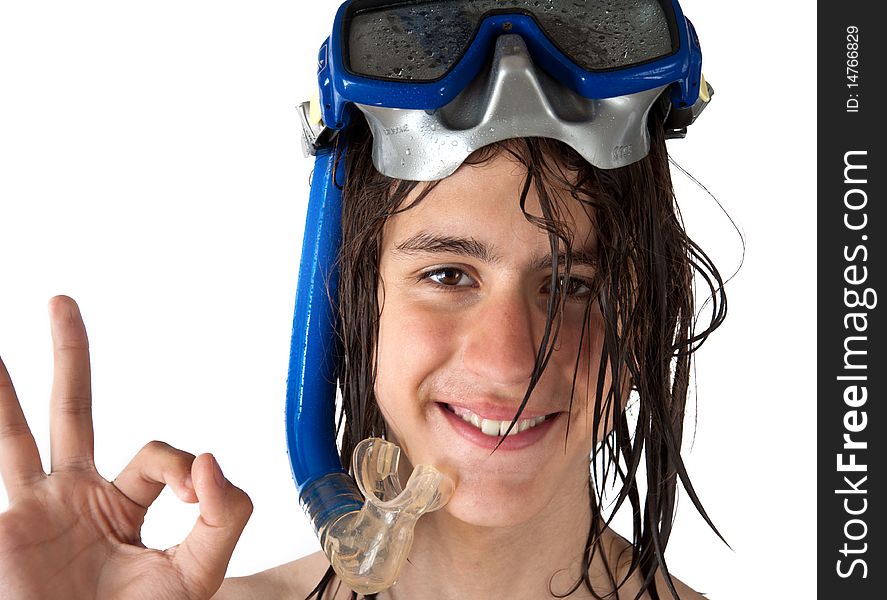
{"x":576,"y":288}
{"x":447,"y":277}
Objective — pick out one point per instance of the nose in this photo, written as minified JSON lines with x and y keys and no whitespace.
{"x":500,"y":345}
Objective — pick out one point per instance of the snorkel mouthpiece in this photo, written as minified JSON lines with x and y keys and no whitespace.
{"x":368,"y":547}
{"x":367,"y":544}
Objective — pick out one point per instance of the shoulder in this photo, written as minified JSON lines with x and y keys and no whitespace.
{"x":684,"y":591}
{"x":291,"y":581}
{"x":620,"y":549}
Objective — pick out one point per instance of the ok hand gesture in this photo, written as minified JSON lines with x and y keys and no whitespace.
{"x":72,"y":534}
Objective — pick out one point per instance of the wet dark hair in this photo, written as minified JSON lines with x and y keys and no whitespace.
{"x":644,"y":290}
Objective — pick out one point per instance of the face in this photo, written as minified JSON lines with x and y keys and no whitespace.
{"x":464,"y":292}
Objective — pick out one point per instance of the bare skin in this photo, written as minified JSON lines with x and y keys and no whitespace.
{"x":298,"y":578}
{"x":73,"y":534}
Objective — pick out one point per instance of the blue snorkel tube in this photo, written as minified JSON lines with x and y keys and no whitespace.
{"x":326,"y":491}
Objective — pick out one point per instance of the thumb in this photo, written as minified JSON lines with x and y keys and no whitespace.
{"x":224,"y":510}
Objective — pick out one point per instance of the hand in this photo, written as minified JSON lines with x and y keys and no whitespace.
{"x":72,"y":534}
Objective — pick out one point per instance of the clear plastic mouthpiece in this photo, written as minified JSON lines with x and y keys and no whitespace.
{"x":368,"y":547}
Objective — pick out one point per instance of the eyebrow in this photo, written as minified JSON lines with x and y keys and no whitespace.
{"x":426,"y":242}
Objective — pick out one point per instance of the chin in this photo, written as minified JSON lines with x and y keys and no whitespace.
{"x":481,"y":504}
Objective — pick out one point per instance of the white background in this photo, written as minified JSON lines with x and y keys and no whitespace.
{"x":150,"y":168}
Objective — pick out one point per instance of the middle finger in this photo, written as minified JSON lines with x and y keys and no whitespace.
{"x":70,"y":420}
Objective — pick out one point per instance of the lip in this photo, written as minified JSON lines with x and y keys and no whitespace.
{"x":497,"y":412}
{"x":517,"y":441}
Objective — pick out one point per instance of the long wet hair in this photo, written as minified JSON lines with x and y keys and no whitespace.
{"x":644,"y":290}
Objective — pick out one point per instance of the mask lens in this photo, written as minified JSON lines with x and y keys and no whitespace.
{"x":418,"y":41}
{"x":607,"y":34}
{"x":422,"y":41}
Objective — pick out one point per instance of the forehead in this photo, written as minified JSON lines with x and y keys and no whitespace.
{"x":483,"y":202}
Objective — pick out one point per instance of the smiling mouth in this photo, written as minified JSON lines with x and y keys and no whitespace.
{"x":493,"y":427}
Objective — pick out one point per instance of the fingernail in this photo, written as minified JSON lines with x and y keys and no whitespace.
{"x":217,"y":471}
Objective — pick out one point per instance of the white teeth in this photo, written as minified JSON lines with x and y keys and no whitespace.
{"x":490,"y":427}
{"x":493,"y":427}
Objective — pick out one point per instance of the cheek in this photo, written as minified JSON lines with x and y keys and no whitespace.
{"x":584,"y":340}
{"x":586,"y":369}
{"x":413,"y":344}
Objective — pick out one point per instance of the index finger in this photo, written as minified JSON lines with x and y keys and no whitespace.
{"x":70,"y":416}
{"x":19,"y":457}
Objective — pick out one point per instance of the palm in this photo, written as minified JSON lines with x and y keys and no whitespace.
{"x":67,"y":531}
{"x":72,"y":534}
